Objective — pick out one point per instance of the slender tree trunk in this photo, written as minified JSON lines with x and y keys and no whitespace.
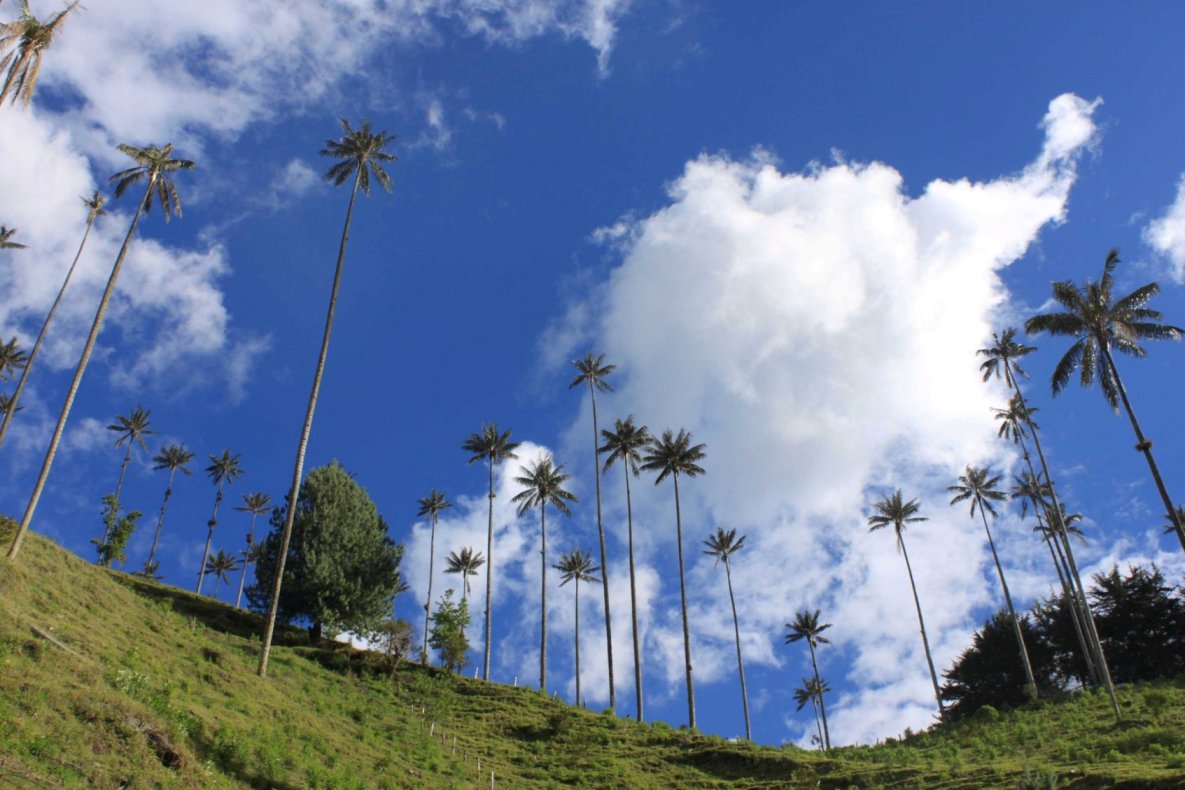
{"x":1088,"y":623}
{"x":87,"y":349}
{"x":921,"y":624}
{"x":736,"y":627}
{"x":543,"y":599}
{"x":826,"y":733}
{"x":683,"y":607}
{"x":160,"y":520}
{"x":123,"y":469}
{"x":1144,"y":445}
{"x":428,"y":604}
{"x":1063,"y":571}
{"x":629,"y":513}
{"x":818,"y":728}
{"x":576,"y":579}
{"x":485,"y":671}
{"x":210,"y":537}
{"x":20,"y":386}
{"x":243,"y":577}
{"x":1020,"y":640}
{"x":604,"y":559}
{"x":302,"y":445}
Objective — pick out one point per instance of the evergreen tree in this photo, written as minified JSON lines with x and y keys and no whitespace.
{"x":447,"y":636}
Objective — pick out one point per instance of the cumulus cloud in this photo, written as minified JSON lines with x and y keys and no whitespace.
{"x":817,"y":331}
{"x":1166,"y":234}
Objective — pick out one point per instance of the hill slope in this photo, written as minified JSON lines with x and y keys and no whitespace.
{"x":107,"y":680}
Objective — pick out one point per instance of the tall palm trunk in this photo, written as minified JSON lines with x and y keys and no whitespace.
{"x":87,"y":349}
{"x":160,"y":520}
{"x":302,"y":445}
{"x":683,"y":607}
{"x":1020,"y":640}
{"x":921,"y":624}
{"x":213,"y":522}
{"x":576,"y":580}
{"x":1144,"y":445}
{"x":604,"y":561}
{"x":543,"y":599}
{"x":818,"y":728}
{"x":243,"y":576}
{"x":826,"y":733}
{"x":1088,"y":623}
{"x":485,"y":671}
{"x":428,"y":604}
{"x":629,"y":515}
{"x":20,"y":386}
{"x":736,"y":627}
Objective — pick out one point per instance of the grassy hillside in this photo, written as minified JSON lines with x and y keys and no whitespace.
{"x":107,"y":680}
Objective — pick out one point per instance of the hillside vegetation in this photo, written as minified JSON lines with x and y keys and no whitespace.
{"x":109,"y":680}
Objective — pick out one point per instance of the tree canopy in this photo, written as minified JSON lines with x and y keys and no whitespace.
{"x":342,"y":569}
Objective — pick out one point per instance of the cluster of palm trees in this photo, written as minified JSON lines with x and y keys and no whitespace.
{"x":1099,"y":322}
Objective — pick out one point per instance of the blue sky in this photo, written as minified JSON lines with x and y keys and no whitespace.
{"x":790,"y":225}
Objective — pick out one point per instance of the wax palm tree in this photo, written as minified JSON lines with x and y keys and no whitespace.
{"x":27,"y":38}
{"x":153,"y":166}
{"x":12,"y":359}
{"x":806,"y":625}
{"x":895,"y":512}
{"x":625,"y":443}
{"x":593,"y":373}
{"x":576,"y":566}
{"x":544,"y":485}
{"x":722,"y":545}
{"x":467,"y":564}
{"x":223,"y":470}
{"x":1002,"y":359}
{"x":129,"y":431}
{"x":671,"y":456}
{"x":221,"y":565}
{"x":812,"y":691}
{"x":361,"y":155}
{"x":95,"y":209}
{"x":492,"y":447}
{"x":978,"y":486}
{"x":1100,"y":322}
{"x":175,"y":458}
{"x":6,"y":242}
{"x":430,"y":507}
{"x":255,"y":503}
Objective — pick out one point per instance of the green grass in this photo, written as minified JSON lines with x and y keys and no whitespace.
{"x":151,"y":686}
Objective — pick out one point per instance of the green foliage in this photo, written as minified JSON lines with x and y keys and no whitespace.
{"x":393,"y":638}
{"x":342,"y":570}
{"x":447,"y":636}
{"x":119,"y":526}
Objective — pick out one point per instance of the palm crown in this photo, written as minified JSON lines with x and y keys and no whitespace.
{"x":1015,"y":420}
{"x":1099,"y":322}
{"x":154,"y":164}
{"x":6,"y":242}
{"x":673,"y":454}
{"x":255,"y":503}
{"x":12,"y":359}
{"x":723,"y":544}
{"x":544,"y":486}
{"x":133,"y":428}
{"x":489,"y":445}
{"x":433,"y":504}
{"x":894,"y":511}
{"x":175,"y":456}
{"x":806,"y":625}
{"x":361,"y":154}
{"x":576,"y":565}
{"x":593,"y":371}
{"x":224,"y":468}
{"x":466,"y":563}
{"x":29,"y":37}
{"x":624,"y":443}
{"x":1001,"y":357}
{"x":974,"y":484}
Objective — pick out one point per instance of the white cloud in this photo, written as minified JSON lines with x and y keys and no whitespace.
{"x":1166,"y":234}
{"x":818,"y":331}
